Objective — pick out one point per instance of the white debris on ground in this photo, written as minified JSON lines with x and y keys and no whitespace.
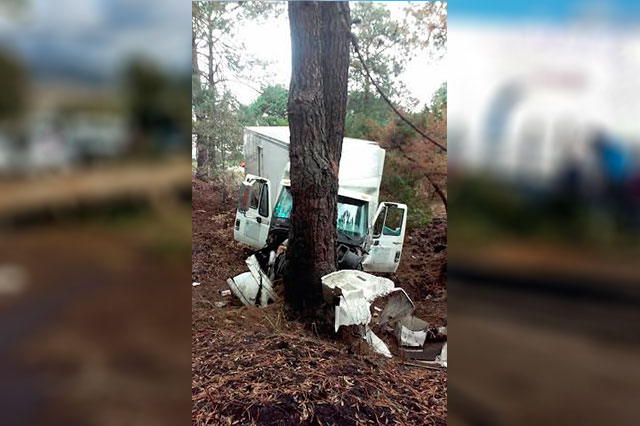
{"x":195,"y":284}
{"x":355,"y":291}
{"x":253,"y":287}
{"x":442,"y":358}
{"x":411,"y":331}
{"x":352,"y":293}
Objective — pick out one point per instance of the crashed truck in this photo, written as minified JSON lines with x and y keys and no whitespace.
{"x":370,"y":234}
{"x":370,"y":237}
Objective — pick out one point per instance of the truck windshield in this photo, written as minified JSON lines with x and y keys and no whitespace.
{"x":352,"y":213}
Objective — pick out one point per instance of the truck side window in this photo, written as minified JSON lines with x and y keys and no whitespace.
{"x":377,"y":227}
{"x":264,"y":201}
{"x":242,"y":199}
{"x":254,"y":195}
{"x":393,"y":223}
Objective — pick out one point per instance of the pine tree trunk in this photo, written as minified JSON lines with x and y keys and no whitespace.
{"x":201,"y":150}
{"x":316,"y":109}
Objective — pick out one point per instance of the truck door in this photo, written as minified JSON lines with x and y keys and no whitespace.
{"x":387,"y":236}
{"x":254,"y":212}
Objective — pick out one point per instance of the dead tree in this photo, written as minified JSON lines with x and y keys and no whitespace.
{"x":316,"y":110}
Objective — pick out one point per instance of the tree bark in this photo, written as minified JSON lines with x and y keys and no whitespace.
{"x":316,"y":110}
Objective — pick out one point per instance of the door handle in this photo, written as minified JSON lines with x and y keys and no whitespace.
{"x":397,"y":242}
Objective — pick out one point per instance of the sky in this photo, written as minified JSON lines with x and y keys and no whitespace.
{"x":271,"y":40}
{"x":552,"y":11}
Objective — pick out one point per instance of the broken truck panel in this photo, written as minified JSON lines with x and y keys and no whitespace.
{"x":354,"y":292}
{"x":398,"y":305}
{"x":353,"y":284}
{"x":253,"y":288}
{"x":411,"y":332}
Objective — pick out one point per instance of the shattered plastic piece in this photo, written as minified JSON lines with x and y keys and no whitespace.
{"x":253,"y":287}
{"x":347,"y":281}
{"x":411,"y":331}
{"x":355,"y":292}
{"x":221,"y":304}
{"x":442,"y":358}
{"x":376,"y":343}
{"x":195,"y":284}
{"x":225,"y":292}
{"x":398,"y":306}
{"x":352,"y":311}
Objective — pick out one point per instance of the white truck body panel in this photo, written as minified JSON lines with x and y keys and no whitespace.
{"x":361,"y":163}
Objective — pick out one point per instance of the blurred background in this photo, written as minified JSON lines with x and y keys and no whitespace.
{"x":95,"y":229}
{"x":544,"y":193}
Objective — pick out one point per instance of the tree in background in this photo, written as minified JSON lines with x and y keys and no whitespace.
{"x":430,"y":19}
{"x":320,"y":36}
{"x":439,"y":102}
{"x":387,"y":45}
{"x":270,"y":109}
{"x":382,"y":41}
{"x":415,"y":141}
{"x":412,"y":165}
{"x":218,"y":57}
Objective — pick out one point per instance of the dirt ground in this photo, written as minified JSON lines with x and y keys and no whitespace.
{"x":251,"y":365}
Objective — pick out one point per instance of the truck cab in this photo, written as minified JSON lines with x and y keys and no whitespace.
{"x":373,"y":247}
{"x":370,"y":234}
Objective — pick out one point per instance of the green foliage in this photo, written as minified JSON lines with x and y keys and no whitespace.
{"x":381,"y":40}
{"x":219,"y":127}
{"x":270,"y":109}
{"x":217,"y":58}
{"x":366,"y":113}
{"x":403,"y":185}
{"x":439,"y":101}
{"x":386,"y":45}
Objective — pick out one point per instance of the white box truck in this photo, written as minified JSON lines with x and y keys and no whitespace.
{"x":370,"y":234}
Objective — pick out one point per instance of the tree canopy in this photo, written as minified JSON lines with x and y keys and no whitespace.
{"x":270,"y":109}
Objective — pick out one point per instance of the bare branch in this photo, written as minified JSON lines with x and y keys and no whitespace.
{"x":354,"y":41}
